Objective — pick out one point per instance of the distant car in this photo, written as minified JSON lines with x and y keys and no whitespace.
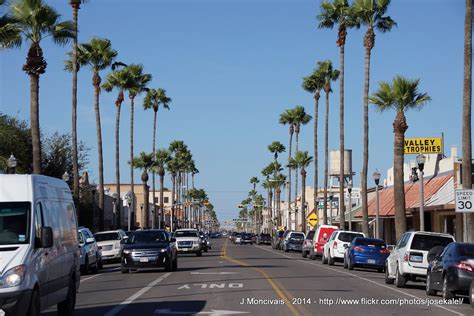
{"x":451,"y":272}
{"x":293,"y":241}
{"x":320,"y":238}
{"x":366,"y":252}
{"x":246,"y":239}
{"x":335,"y":248}
{"x":214,"y":235}
{"x":111,"y":243}
{"x":224,"y":234}
{"x":264,"y":239}
{"x":307,"y":244}
{"x":237,"y":239}
{"x":91,"y":255}
{"x":277,"y":239}
{"x":149,"y":249}
{"x":188,"y":241}
{"x":409,"y":260}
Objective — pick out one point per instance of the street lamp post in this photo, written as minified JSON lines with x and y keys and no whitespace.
{"x":420,"y":160}
{"x":376,"y":176}
{"x":330,"y":208}
{"x":129,"y":203}
{"x":11,"y":164}
{"x":349,"y":190}
{"x":141,"y":209}
{"x":114,"y":211}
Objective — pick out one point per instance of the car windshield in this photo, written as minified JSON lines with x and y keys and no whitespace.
{"x":107,"y":236}
{"x":347,"y":237}
{"x":426,"y":242}
{"x":186,"y":233}
{"x":466,"y":251}
{"x":147,"y":237}
{"x":14,"y":219}
{"x":370,"y":242}
{"x":297,"y":236}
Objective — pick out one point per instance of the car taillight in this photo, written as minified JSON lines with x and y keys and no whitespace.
{"x":405,"y":256}
{"x":463,"y":265}
{"x":334,"y":245}
{"x":359,"y":249}
{"x":384,"y":251}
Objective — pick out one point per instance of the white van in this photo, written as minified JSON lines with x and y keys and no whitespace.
{"x":39,"y":249}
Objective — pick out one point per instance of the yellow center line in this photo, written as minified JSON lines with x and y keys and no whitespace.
{"x":274,"y":284}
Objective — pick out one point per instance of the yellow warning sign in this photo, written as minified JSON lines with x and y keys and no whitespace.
{"x":312,"y":218}
{"x":429,"y":145}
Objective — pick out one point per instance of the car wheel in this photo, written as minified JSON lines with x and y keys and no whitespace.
{"x":124,"y":271}
{"x":304,"y":254}
{"x":350,"y":265}
{"x":471,"y":294}
{"x":95,"y":267}
{"x":100,"y":264}
{"x":35,"y":304}
{"x":380,"y":270}
{"x":86,"y":267}
{"x":175,"y":264}
{"x":447,"y":294}
{"x":388,"y":279}
{"x":345,"y":262}
{"x":324,"y":260}
{"x":429,"y":289}
{"x":205,"y":250}
{"x":199,"y":254}
{"x":400,"y":280}
{"x":169,"y":265}
{"x":66,"y":307}
{"x":330,"y":260}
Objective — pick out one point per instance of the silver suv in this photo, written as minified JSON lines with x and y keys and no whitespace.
{"x":91,"y":256}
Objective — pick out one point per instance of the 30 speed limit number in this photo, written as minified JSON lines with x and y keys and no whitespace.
{"x":464,"y":201}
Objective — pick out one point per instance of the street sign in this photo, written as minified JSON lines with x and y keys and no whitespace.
{"x":429,"y":145}
{"x":312,"y":218}
{"x":464,"y":201}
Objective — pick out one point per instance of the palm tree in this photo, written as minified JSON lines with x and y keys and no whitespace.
{"x":278,"y":182}
{"x":254,"y":181}
{"x":10,"y":35}
{"x":119,"y":80}
{"x":401,"y":95}
{"x":153,"y":99}
{"x":314,"y":83}
{"x":466,"y":117}
{"x":300,"y":118}
{"x":276,"y":148}
{"x":162,"y":159}
{"x":339,"y":12}
{"x":329,"y":74}
{"x":303,"y":160}
{"x":137,"y":84}
{"x":370,"y":13}
{"x":34,"y":20}
{"x":172,"y":168}
{"x":194,"y":172}
{"x":144,"y":162}
{"x":178,"y":148}
{"x":98,"y":55}
{"x":267,"y":185}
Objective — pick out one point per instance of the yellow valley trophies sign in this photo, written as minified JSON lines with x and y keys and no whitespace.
{"x":430,"y":145}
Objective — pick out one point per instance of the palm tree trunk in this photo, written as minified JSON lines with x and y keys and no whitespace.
{"x":162,"y":205}
{"x":278,"y":198}
{"x":154,"y":157}
{"x":289,"y":175}
{"x":399,"y":127}
{"x":303,"y":200}
{"x":342,"y":219}
{"x":35,"y":131}
{"x":75,"y":167}
{"x":466,"y":119}
{"x":132,"y":184}
{"x":173,"y":185}
{"x":326,"y":154}
{"x":270,"y":204}
{"x":118,"y":206}
{"x":296,"y":181}
{"x":96,"y":82}
{"x":146,"y":210}
{"x":315,"y":153}
{"x":369,"y":39}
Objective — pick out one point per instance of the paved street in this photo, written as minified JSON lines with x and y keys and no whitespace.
{"x":218,"y":282}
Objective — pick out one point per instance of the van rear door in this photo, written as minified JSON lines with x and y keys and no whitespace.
{"x":41,"y":255}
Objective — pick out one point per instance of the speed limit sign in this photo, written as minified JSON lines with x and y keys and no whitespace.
{"x":464,"y":201}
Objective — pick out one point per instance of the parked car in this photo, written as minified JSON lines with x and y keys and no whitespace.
{"x":452,"y":271}
{"x":38,"y":245}
{"x":409,"y":260}
{"x":471,"y":293}
{"x":320,"y":238}
{"x":188,"y":241}
{"x":277,"y":239}
{"x":293,"y":241}
{"x":149,"y":249}
{"x":335,"y":248}
{"x":367,"y":253}
{"x":307,"y":244}
{"x":246,"y":239}
{"x":91,"y":255}
{"x":254,"y":238}
{"x":264,"y":239}
{"x":111,"y":243}
{"x":237,"y":239}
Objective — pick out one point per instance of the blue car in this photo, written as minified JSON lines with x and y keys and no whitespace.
{"x":367,"y":253}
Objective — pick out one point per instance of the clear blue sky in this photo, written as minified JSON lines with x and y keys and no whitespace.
{"x":231,"y":67}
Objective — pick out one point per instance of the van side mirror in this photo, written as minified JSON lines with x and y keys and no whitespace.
{"x":90,"y":240}
{"x":46,"y":234}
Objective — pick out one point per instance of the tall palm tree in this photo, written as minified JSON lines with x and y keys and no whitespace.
{"x":278,"y":181}
{"x":276,"y":148}
{"x":400,"y":95}
{"x":137,"y":84}
{"x":303,"y":160}
{"x":97,"y":54}
{"x":287,"y":118}
{"x":178,"y":148}
{"x":117,"y":79}
{"x":300,"y":118}
{"x":254,"y":181}
{"x":34,"y":20}
{"x":339,"y":12}
{"x":162,"y":159}
{"x":313,"y":84}
{"x":10,"y":34}
{"x":76,"y":5}
{"x":194,"y":172}
{"x":153,"y":99}
{"x":466,"y":116}
{"x":267,"y":185}
{"x":329,"y":74}
{"x":144,"y":162}
{"x":172,"y":168}
{"x":372,"y":14}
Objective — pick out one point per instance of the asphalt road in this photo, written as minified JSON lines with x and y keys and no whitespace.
{"x":254,"y":280}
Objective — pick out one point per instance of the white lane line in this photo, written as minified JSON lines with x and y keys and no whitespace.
{"x":132,"y":298}
{"x":96,"y":275}
{"x":362,"y":278}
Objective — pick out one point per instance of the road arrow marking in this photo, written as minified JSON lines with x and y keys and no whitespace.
{"x":213,"y":312}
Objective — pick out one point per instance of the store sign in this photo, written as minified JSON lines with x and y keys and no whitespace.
{"x":464,"y":201}
{"x":430,"y":145}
